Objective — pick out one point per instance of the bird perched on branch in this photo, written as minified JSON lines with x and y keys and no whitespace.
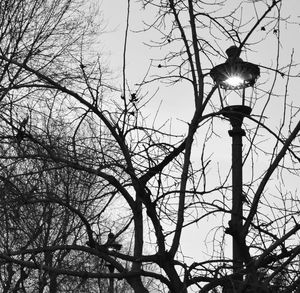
{"x":24,"y":122}
{"x":20,"y":131}
{"x":111,"y":242}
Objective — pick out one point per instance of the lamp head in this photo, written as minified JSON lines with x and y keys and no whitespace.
{"x":235,"y":73}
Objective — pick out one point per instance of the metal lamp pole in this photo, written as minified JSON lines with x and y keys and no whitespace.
{"x":235,"y":74}
{"x":236,"y":115}
{"x":237,"y":182}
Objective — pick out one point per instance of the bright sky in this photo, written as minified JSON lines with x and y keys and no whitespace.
{"x":139,"y":55}
{"x":176,"y":101}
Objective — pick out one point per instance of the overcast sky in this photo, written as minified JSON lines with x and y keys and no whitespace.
{"x":175,"y":101}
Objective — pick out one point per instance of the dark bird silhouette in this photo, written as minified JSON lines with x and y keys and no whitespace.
{"x":23,"y":123}
{"x":111,"y":242}
{"x":133,"y":97}
{"x":20,"y":132}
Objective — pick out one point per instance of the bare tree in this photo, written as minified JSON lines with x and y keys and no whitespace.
{"x":95,"y":197}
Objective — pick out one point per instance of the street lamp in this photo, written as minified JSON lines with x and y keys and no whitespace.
{"x":236,"y":75}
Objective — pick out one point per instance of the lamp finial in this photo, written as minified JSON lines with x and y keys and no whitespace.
{"x":233,"y":54}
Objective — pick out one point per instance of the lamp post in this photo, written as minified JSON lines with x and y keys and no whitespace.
{"x":236,"y":75}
